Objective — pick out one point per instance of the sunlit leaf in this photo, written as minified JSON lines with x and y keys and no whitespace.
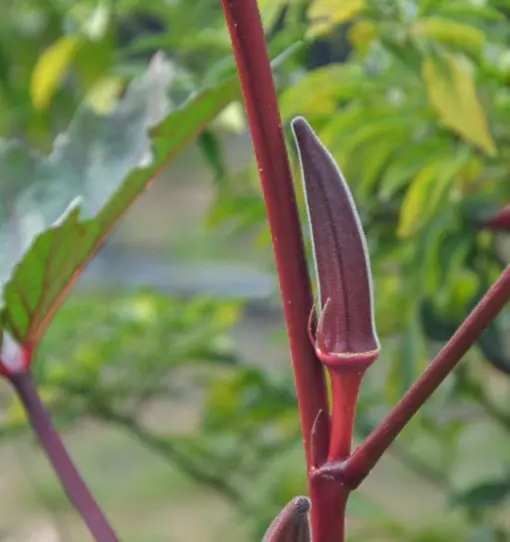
{"x":410,"y":160}
{"x":452,"y":93}
{"x":270,"y":11}
{"x":248,"y":398}
{"x":463,"y":289}
{"x":96,"y":24}
{"x":392,"y":127}
{"x":427,"y":192}
{"x":472,"y":11}
{"x":378,"y":152}
{"x":459,"y":35}
{"x":318,"y":91}
{"x":325,"y":14}
{"x":232,"y":118}
{"x":103,"y":95}
{"x":50,"y":69}
{"x":361,"y":33}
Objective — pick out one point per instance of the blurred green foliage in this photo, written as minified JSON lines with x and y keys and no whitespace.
{"x":412,"y":97}
{"x":415,"y":111}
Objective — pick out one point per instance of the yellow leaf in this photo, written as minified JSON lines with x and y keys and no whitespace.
{"x":325,"y":14}
{"x":15,"y":413}
{"x":469,"y":176}
{"x":105,"y":93}
{"x":429,"y":189}
{"x":361,"y":33}
{"x":460,"y":35}
{"x":49,"y":70}
{"x":452,"y":94}
{"x":463,"y":288}
{"x":318,"y":91}
{"x":415,"y":200}
{"x":232,"y":118}
{"x":270,"y":11}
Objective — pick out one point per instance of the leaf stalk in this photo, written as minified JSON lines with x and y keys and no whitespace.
{"x":73,"y":484}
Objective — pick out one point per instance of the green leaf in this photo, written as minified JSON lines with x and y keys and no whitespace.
{"x":477,"y":463}
{"x":270,"y":10}
{"x":410,"y":361}
{"x":378,"y":152}
{"x":427,"y":192}
{"x":361,"y":506}
{"x":325,"y":14}
{"x":363,"y":153}
{"x":410,"y":160}
{"x":99,"y":158}
{"x":407,"y":56}
{"x":413,"y":206}
{"x":210,"y":146}
{"x":50,"y":68}
{"x":249,"y":400}
{"x":319,"y":92}
{"x":485,"y":495}
{"x":436,"y":327}
{"x":103,"y":95}
{"x":475,"y":11}
{"x":461,"y":36}
{"x":492,"y":344}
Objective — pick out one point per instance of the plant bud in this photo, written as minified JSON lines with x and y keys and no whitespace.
{"x":345,"y":331}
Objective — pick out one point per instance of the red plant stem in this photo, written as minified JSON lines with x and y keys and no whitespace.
{"x":330,"y":497}
{"x":345,"y":385}
{"x":498,"y":222}
{"x":49,"y":439}
{"x":254,"y":69}
{"x":364,"y":458}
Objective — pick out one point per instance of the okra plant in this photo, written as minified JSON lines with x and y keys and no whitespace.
{"x":57,"y":210}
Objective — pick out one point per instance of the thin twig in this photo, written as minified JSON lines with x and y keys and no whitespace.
{"x":166,"y":448}
{"x":364,"y":458}
{"x":78,"y":493}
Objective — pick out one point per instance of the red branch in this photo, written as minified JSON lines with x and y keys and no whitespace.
{"x":364,"y":458}
{"x":254,"y":70}
{"x":52,"y":445}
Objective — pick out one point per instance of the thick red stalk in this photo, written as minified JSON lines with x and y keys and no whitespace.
{"x":254,"y":69}
{"x":364,"y":458}
{"x":50,"y":441}
{"x":345,"y":385}
{"x":329,"y":497}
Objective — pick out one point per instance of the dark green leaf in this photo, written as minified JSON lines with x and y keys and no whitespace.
{"x":211,"y":149}
{"x":485,"y":495}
